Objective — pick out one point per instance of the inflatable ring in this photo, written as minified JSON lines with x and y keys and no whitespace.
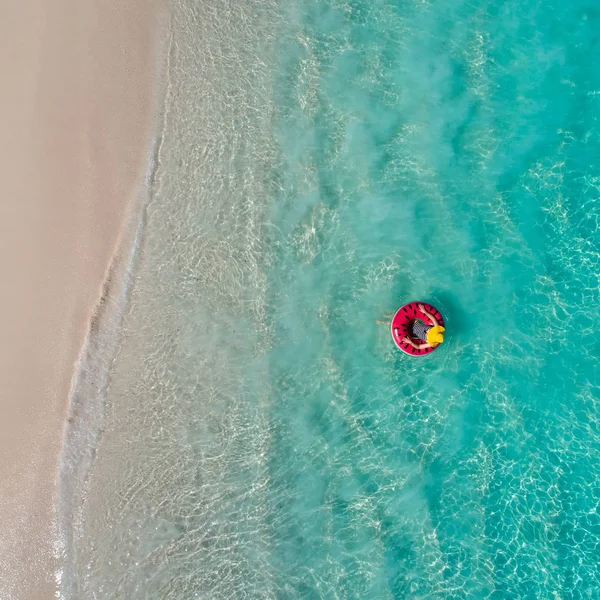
{"x":402,"y":320}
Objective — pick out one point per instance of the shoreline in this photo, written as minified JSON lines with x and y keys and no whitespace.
{"x":91,"y":377}
{"x":81,"y":115}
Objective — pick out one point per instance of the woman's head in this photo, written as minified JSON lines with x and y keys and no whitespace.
{"x":435,"y":336}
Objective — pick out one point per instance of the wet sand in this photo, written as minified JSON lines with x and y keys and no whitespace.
{"x":77,"y":114}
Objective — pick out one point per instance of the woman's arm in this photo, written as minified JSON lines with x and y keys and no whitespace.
{"x":428,"y":315}
{"x":416,"y":346}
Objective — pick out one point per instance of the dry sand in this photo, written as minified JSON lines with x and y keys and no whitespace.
{"x":77,"y":116}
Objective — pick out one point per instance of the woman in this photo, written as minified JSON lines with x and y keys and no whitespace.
{"x":430,"y":336}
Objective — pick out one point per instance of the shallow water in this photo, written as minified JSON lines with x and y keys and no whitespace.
{"x":321,"y":164}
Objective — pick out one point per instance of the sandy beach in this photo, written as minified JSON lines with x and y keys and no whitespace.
{"x":77,"y":112}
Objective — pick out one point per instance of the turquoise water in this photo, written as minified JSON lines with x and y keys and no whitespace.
{"x":323,"y":163}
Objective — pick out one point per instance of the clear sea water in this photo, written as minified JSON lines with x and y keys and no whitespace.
{"x":321,"y":163}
